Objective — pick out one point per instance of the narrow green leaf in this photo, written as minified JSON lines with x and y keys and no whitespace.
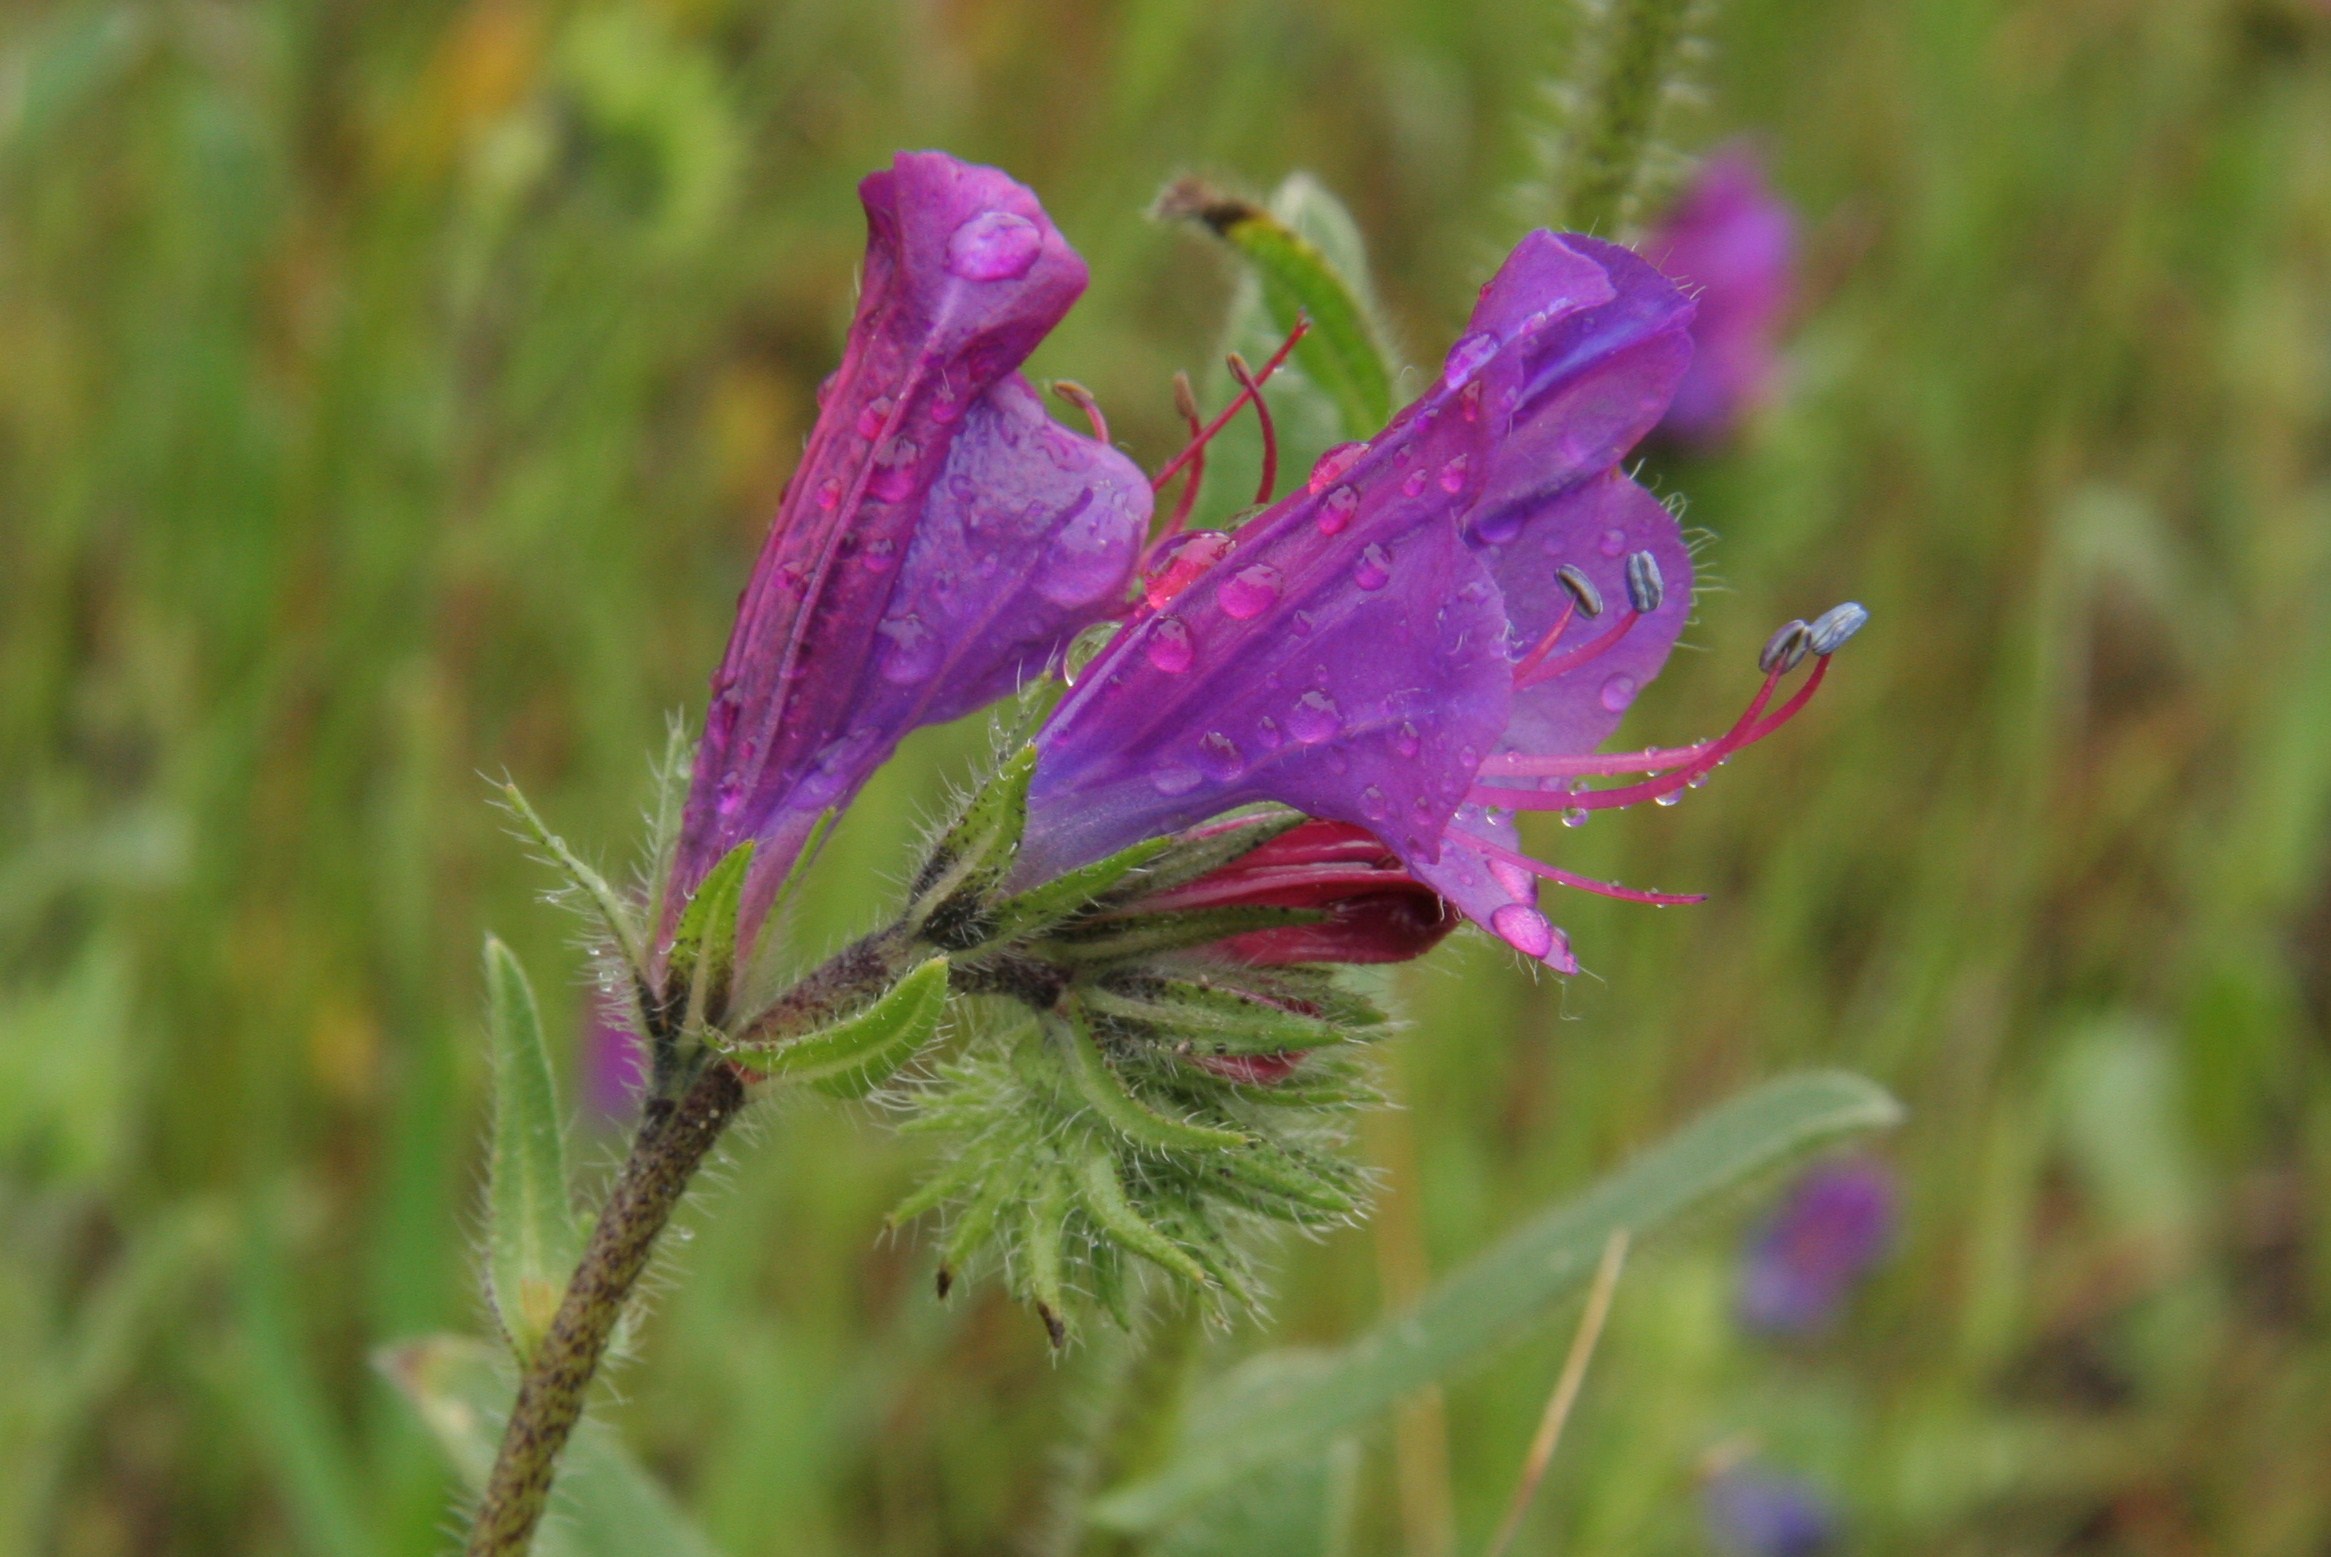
{"x":1500,"y":1293}
{"x":950,"y":891}
{"x":615,"y":915}
{"x":704,"y":946}
{"x":532,"y":1237}
{"x":1226,"y":1021}
{"x":859,"y":1053}
{"x":1098,"y":1084}
{"x":603,"y":1504}
{"x":1071,"y":893}
{"x":1104,"y":1200}
{"x":1342,"y":353}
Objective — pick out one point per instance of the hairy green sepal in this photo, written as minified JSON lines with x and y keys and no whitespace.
{"x":858,"y":1054}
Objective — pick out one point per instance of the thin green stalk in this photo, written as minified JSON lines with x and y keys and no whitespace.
{"x":1632,"y":55}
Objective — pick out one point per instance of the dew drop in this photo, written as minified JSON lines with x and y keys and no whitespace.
{"x":1175,"y":778}
{"x":879,"y":554}
{"x":1169,"y":647}
{"x":829,"y":492}
{"x":1314,"y":718}
{"x":1614,"y":542}
{"x":1333,"y":465}
{"x":1673,"y":797}
{"x":1268,"y":733}
{"x":1467,"y":357}
{"x":892,"y":484}
{"x":1576,"y":816}
{"x":913,"y":653}
{"x":1618,"y":692}
{"x":874,"y":417}
{"x":1374,"y":804}
{"x":1495,"y":529}
{"x":1178,"y":566}
{"x":1219,"y":757}
{"x":1405,"y":741}
{"x":1250,"y":591}
{"x":1524,"y":929}
{"x":1335,"y":511}
{"x":1413,"y":484}
{"x":1453,"y":475}
{"x":730,"y":796}
{"x":1374,"y":569}
{"x":993,"y":246}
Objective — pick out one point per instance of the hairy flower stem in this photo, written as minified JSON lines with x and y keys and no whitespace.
{"x":1632,"y":60}
{"x":672,"y":1143}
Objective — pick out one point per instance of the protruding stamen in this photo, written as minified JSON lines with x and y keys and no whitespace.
{"x":1238,"y":401}
{"x":1531,"y":675}
{"x":1834,"y":626}
{"x":1545,"y":646}
{"x":1082,"y":398}
{"x":1561,"y":877}
{"x":1785,"y":648}
{"x":1645,"y":588}
{"x":1582,"y":590}
{"x":1254,"y":391}
{"x":1186,"y":402}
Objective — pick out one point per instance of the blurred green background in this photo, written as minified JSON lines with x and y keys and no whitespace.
{"x":395,"y":394}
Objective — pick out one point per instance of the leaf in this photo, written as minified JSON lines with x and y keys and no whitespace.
{"x":532,"y":1237}
{"x":1498,"y":1295}
{"x":704,"y":946}
{"x":859,"y":1053}
{"x":950,"y":890}
{"x":603,"y":1504}
{"x":1342,"y":353}
{"x":615,"y":916}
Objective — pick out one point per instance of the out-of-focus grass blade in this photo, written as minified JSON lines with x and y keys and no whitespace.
{"x":532,"y":1237}
{"x":1343,"y":354}
{"x":1293,"y":1412}
{"x":603,"y":1504}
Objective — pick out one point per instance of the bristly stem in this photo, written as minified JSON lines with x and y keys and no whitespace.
{"x":673,"y":1142}
{"x":1631,"y":58}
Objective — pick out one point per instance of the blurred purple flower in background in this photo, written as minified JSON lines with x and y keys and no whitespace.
{"x":1436,"y":629}
{"x":1835,"y":1226}
{"x":614,"y":1060}
{"x":1731,"y":243}
{"x":941,"y":541}
{"x":1757,"y":1513}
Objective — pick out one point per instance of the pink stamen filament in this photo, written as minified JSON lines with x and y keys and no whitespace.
{"x":1564,"y":664}
{"x":1748,"y":729}
{"x":1561,"y":877}
{"x":1082,"y":398}
{"x":1187,"y":404}
{"x":1247,"y":381}
{"x":1237,"y":403}
{"x":1545,"y":646}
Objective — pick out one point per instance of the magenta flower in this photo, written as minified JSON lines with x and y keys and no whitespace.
{"x":1753,"y":1512}
{"x":941,"y":541}
{"x":613,"y":1059}
{"x":1732,"y":243}
{"x":1831,"y":1232}
{"x":1428,"y":636}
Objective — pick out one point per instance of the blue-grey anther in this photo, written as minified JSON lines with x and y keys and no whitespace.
{"x":1645,"y":588}
{"x":1833,"y":626}
{"x":1582,"y":590}
{"x":1785,"y":648}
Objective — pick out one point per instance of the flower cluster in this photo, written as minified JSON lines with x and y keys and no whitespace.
{"x":1304,"y":744}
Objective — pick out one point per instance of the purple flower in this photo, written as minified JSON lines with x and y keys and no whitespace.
{"x":1428,"y":636}
{"x":1733,"y":244}
{"x":1756,"y":1513}
{"x":614,"y":1060}
{"x":942,"y":539}
{"x":1834,"y":1228}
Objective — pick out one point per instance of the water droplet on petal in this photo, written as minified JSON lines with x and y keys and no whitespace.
{"x":1268,"y":733}
{"x":879,"y":554}
{"x":1514,"y":879}
{"x":1219,"y":757}
{"x":1250,"y":591}
{"x":1614,"y":542}
{"x":1314,"y":718}
{"x":892,"y":484}
{"x":1405,"y":741}
{"x":1335,"y":510}
{"x":1413,"y":484}
{"x":913,"y":651}
{"x":1178,"y":565}
{"x":1332,"y":466}
{"x":1673,"y":797}
{"x":1375,"y":805}
{"x":1495,"y":529}
{"x":1374,"y":569}
{"x":1576,"y":816}
{"x":874,"y":417}
{"x":1467,"y":357}
{"x":731,"y":795}
{"x":993,"y":246}
{"x":1169,"y":646}
{"x":1524,"y":929}
{"x":829,"y":492}
{"x":1618,"y":692}
{"x":1453,"y":475}
{"x":1175,"y":778}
